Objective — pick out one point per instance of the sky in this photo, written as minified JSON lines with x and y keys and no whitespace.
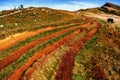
{"x":71,"y":5}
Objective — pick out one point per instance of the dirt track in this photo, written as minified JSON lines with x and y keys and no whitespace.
{"x":64,"y":71}
{"x":61,"y":75}
{"x":18,"y":73}
{"x":18,"y":53}
{"x":14,"y":39}
{"x":33,"y":68}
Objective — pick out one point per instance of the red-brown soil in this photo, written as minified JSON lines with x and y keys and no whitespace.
{"x":33,"y":68}
{"x":64,"y":71}
{"x":10,"y":42}
{"x":14,"y":39}
{"x":76,"y":47}
{"x":18,"y":73}
{"x":28,"y":75}
{"x":17,"y":54}
{"x":45,"y":51}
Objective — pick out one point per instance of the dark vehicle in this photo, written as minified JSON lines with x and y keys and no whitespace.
{"x":110,"y":20}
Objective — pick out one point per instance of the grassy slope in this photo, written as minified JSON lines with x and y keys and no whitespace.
{"x":109,"y":8}
{"x":31,"y":18}
{"x":58,"y":17}
{"x":91,"y":10}
{"x":100,"y":57}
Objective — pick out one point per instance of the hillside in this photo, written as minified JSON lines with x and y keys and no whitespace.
{"x":99,"y":58}
{"x":25,"y":19}
{"x":111,"y":5}
{"x":39,"y":43}
{"x":108,"y":7}
{"x":103,"y":13}
{"x":111,"y":8}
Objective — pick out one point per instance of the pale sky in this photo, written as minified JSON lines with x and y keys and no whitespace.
{"x":56,"y":4}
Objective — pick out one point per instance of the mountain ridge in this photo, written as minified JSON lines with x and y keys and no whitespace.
{"x":112,"y":8}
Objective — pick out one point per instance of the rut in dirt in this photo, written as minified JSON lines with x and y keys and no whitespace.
{"x":9,"y":43}
{"x":33,"y":68}
{"x":14,"y":40}
{"x":64,"y":71}
{"x":18,"y":72}
{"x":18,"y":53}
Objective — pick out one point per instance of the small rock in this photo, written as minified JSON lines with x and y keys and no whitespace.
{"x":43,"y":10}
{"x":34,"y":13}
{"x":16,"y":24}
{"x":97,"y":45}
{"x":1,"y":26}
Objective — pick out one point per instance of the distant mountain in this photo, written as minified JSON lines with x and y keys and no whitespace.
{"x":108,"y":7}
{"x":111,"y":8}
{"x":111,"y":5}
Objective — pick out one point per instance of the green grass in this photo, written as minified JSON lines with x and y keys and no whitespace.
{"x":50,"y":66}
{"x":5,"y":31}
{"x":31,"y":39}
{"x":54,"y":68}
{"x":96,"y":55}
{"x":73,"y":40}
{"x":26,"y":20}
{"x":83,"y":58}
{"x":9,"y":69}
{"x":100,"y":21}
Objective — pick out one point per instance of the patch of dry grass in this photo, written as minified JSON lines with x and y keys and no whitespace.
{"x":100,"y":58}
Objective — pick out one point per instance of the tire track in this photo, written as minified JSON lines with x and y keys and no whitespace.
{"x":33,"y":68}
{"x":14,"y":39}
{"x":29,"y":73}
{"x":64,"y":71}
{"x":6,"y":52}
{"x":10,"y":42}
{"x":18,"y":73}
{"x":18,"y":53}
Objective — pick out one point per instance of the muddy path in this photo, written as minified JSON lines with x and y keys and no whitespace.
{"x":8,"y":42}
{"x":18,"y":37}
{"x":18,"y":73}
{"x":64,"y":71}
{"x":47,"y":50}
{"x":18,"y":53}
{"x":33,"y":68}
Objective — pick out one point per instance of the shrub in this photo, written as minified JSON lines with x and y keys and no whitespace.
{"x":2,"y":36}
